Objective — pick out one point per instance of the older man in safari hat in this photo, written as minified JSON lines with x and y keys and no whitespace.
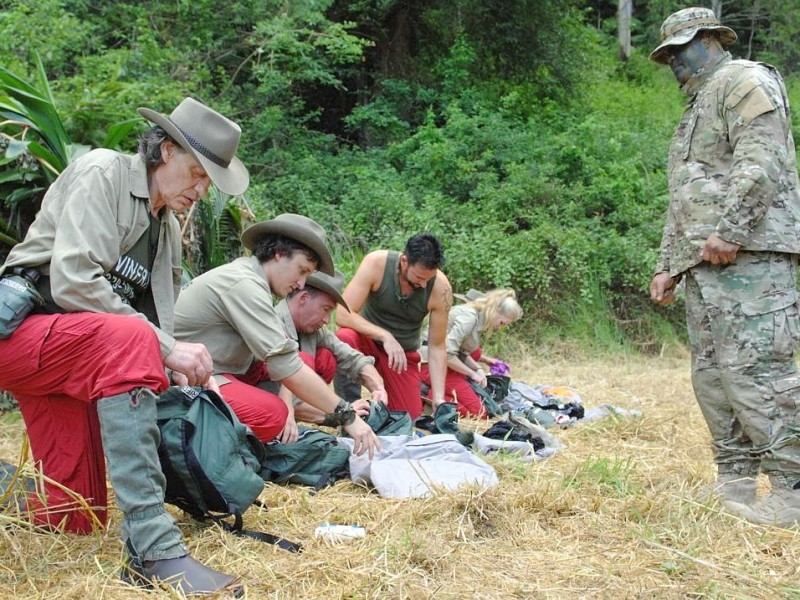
{"x":732,"y":236}
{"x":230,"y":310}
{"x":86,"y":368}
{"x":305,"y":314}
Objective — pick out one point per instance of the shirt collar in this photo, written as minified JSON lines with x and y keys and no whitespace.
{"x":138,"y":175}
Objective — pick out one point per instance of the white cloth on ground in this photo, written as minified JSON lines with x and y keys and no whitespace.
{"x":414,"y":467}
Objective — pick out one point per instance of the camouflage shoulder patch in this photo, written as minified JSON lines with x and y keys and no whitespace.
{"x":753,"y":104}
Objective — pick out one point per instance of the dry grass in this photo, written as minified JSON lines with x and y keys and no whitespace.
{"x":615,"y":515}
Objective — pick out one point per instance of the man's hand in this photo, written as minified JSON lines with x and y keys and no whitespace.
{"x":361,"y":407}
{"x":364,"y":439}
{"x":380,"y":395}
{"x":290,"y":432}
{"x":396,"y":354}
{"x":718,"y":251}
{"x":662,"y":289}
{"x":191,"y":360}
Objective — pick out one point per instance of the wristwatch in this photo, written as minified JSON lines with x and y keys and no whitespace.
{"x":342,"y":415}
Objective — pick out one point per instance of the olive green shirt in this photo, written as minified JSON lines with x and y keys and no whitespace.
{"x":402,"y":316}
{"x":230,"y":310}
{"x":91,"y":216}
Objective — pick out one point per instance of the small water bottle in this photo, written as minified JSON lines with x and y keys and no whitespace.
{"x":339,"y":533}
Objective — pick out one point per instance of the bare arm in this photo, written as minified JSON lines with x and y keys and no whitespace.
{"x":439,"y":305}
{"x":371,"y":379}
{"x":368,"y":279}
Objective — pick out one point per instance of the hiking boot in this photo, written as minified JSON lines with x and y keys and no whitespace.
{"x":781,"y":507}
{"x":185,"y":573}
{"x":731,"y":487}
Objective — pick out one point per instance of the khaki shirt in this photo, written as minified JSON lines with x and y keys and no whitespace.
{"x":464,"y":328}
{"x":230,"y":310}
{"x":349,"y":360}
{"x":732,"y":166}
{"x":91,"y":215}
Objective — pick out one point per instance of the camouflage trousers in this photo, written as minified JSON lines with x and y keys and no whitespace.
{"x":744,"y":330}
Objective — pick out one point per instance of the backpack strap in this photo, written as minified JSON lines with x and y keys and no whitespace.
{"x":236,"y":529}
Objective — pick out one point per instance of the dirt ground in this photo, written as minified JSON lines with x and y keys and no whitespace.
{"x":615,"y":514}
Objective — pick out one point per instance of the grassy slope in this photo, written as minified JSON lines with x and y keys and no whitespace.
{"x":612,"y":516}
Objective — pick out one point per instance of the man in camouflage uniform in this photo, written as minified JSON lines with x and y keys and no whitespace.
{"x":732,"y":235}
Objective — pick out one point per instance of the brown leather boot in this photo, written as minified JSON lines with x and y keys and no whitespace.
{"x":185,"y":573}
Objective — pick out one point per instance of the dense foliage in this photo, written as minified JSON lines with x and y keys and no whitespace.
{"x":509,"y":129}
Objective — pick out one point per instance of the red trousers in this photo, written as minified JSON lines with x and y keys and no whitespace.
{"x":57,"y":367}
{"x":403,"y":388}
{"x":264,"y":412}
{"x":457,"y":389}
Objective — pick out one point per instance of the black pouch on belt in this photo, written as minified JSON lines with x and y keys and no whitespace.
{"x":18,"y":297}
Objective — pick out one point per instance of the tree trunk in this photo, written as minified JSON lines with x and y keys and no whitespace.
{"x":624,"y":12}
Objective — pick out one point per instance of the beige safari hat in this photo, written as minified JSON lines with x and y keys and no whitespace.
{"x":680,"y":28}
{"x":297,"y":227}
{"x":472,"y":294}
{"x":332,"y":286}
{"x":208,"y":136}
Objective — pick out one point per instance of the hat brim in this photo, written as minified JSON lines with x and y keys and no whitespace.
{"x":233,"y":179}
{"x":472,"y":294}
{"x":294,"y":231}
{"x":659,"y":55}
{"x":324,"y":286}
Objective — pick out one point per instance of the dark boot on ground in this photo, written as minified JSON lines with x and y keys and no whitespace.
{"x":185,"y":573}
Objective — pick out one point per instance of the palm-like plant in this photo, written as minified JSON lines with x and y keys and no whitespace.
{"x":211,"y":233}
{"x":35,"y":148}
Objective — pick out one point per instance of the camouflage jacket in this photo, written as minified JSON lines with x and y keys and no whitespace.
{"x":732,"y":166}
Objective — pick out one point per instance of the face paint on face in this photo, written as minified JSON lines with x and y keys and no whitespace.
{"x":687,"y":60}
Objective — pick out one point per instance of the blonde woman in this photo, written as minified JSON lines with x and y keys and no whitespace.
{"x":465,"y":324}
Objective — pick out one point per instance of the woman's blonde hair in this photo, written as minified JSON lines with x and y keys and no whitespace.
{"x":498,"y":302}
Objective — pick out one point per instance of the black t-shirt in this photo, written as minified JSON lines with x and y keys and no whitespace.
{"x":129,"y":278}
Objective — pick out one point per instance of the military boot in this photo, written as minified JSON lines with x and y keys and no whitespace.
{"x":780,"y":507}
{"x":735,"y":483}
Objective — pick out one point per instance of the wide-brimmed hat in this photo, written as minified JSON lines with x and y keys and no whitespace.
{"x":332,"y":286}
{"x":472,"y":294}
{"x":297,"y":227}
{"x":208,"y":136}
{"x":680,"y":28}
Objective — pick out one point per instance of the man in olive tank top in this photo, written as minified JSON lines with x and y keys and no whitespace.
{"x":389,"y":297}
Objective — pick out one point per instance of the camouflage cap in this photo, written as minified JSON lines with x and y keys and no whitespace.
{"x":680,"y":28}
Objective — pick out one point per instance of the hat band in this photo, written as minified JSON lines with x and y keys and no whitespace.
{"x":202,"y":149}
{"x":690,"y":24}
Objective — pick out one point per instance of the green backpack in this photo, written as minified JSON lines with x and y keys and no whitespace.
{"x":316,"y":459}
{"x":210,"y":460}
